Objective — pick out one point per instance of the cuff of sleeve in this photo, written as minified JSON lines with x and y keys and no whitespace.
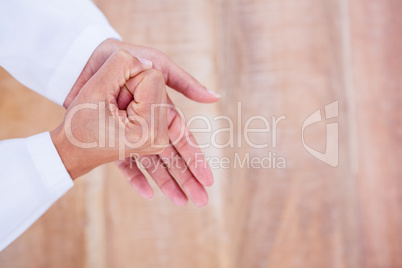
{"x":49,"y":164}
{"x":74,"y":61}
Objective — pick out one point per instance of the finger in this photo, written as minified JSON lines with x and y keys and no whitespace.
{"x":135,"y":177}
{"x":124,"y":98}
{"x":148,"y":87}
{"x":163,"y":179}
{"x":186,"y":84}
{"x":149,"y":102}
{"x":178,"y":169}
{"x":93,"y":65}
{"x":116,"y":71}
{"x":175,"y":77}
{"x":145,"y":62}
{"x":186,"y":145}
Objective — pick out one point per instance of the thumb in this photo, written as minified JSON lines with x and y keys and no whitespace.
{"x":115,"y":72}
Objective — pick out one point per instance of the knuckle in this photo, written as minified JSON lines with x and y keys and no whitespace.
{"x":174,"y":161}
{"x":135,"y":178}
{"x":181,"y":144}
{"x":162,"y":141}
{"x":165,"y":184}
{"x":190,"y":162}
{"x":157,"y":52}
{"x":123,"y":54}
{"x":187,"y":178}
{"x":154,"y":75}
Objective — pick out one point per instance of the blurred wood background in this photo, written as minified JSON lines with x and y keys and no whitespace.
{"x":277,"y":57}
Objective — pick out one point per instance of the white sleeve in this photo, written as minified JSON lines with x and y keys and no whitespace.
{"x":32,"y":178}
{"x":45,"y":44}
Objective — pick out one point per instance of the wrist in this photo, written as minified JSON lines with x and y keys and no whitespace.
{"x":68,"y":153}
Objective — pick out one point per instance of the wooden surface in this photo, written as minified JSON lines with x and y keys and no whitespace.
{"x":277,"y":58}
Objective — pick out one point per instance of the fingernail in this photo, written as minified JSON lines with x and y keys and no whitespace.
{"x":213,"y":93}
{"x":145,"y":61}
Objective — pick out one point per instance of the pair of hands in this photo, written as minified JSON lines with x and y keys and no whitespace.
{"x":118,"y":109}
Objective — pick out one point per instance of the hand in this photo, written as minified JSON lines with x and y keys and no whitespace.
{"x":96,"y":131}
{"x":179,"y":171}
{"x":175,"y":77}
{"x":191,"y":177}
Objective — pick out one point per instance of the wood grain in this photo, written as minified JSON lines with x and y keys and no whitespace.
{"x":377,"y":53}
{"x":271,"y":58}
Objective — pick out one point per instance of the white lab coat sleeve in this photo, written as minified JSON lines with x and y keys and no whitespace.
{"x":32,"y":178}
{"x":45,"y":44}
